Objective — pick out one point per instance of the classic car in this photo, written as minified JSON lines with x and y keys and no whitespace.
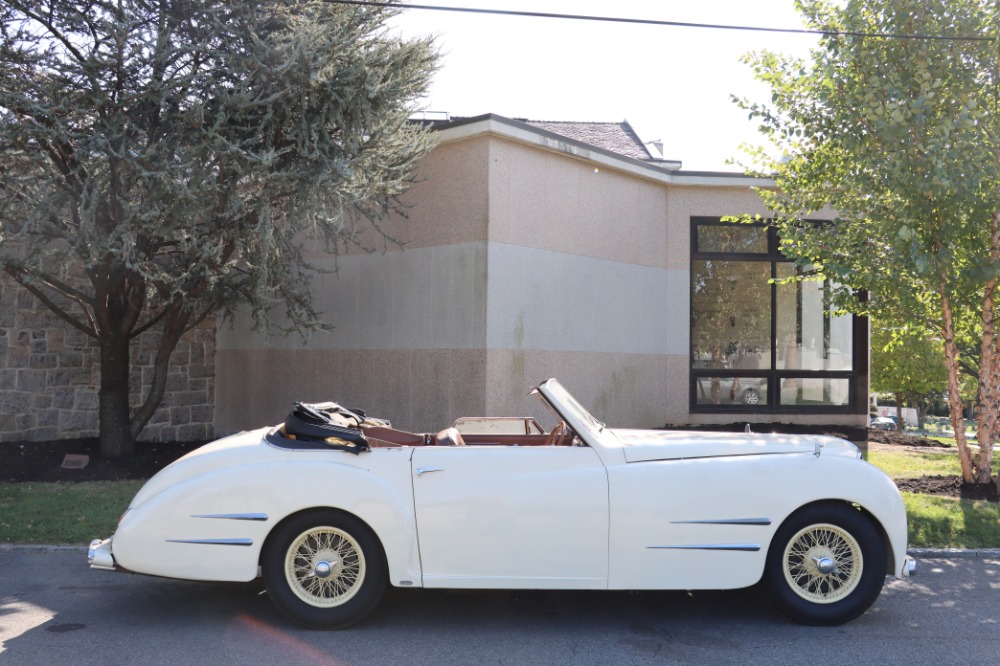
{"x":332,"y":506}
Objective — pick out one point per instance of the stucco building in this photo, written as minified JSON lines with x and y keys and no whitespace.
{"x":568,"y":250}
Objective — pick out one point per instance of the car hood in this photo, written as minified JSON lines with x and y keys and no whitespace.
{"x":646,"y":445}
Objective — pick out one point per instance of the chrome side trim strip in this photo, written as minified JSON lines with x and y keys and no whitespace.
{"x":724,"y":521}
{"x":234,"y":516}
{"x":242,"y":541}
{"x":744,"y":547}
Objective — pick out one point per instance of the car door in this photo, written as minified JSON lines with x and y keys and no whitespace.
{"x":511,"y":516}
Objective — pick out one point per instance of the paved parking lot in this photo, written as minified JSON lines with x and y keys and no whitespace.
{"x":54,"y":610}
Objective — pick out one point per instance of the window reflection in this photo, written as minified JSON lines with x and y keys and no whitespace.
{"x":751,"y":335}
{"x":748,"y":391}
{"x":732,"y":238}
{"x":808,"y":338}
{"x":818,"y":391}
{"x":731,"y":314}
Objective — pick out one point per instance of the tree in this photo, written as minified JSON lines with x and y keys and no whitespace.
{"x":164,"y":160}
{"x":908,"y":363}
{"x":894,"y":124}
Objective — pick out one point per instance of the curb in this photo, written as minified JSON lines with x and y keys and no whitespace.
{"x":920,"y":553}
{"x":947,"y":553}
{"x":8,"y":547}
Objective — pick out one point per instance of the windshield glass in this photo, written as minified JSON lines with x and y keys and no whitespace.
{"x":567,"y":407}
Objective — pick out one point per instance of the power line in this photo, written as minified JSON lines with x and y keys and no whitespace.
{"x":674,"y":24}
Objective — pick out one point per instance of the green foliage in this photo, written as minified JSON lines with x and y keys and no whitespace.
{"x":900,"y":135}
{"x":163,"y":160}
{"x":906,"y":360}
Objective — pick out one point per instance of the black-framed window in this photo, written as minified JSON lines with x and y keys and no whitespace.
{"x":762,"y":345}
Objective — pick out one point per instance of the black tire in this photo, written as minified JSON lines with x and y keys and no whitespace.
{"x":807,"y":590}
{"x":751,"y":397}
{"x":324,"y":569}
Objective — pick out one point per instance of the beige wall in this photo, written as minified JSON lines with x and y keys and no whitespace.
{"x":564,"y":204}
{"x":417,"y":389}
{"x":520,"y":263}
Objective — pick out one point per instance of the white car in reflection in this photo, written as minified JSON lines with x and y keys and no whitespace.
{"x":750,"y":391}
{"x":331,"y":507}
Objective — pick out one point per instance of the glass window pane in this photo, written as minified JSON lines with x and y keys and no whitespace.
{"x":814,"y":391}
{"x":731,"y":315}
{"x":732,"y":238}
{"x":747,"y":391}
{"x":807,"y":337}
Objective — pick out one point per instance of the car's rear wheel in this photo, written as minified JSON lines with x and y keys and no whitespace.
{"x":826,"y":565}
{"x":751,"y":397}
{"x":324,"y":569}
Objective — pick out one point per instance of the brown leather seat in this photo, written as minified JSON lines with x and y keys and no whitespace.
{"x":448,"y":437}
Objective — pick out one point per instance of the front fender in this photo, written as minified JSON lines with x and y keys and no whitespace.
{"x":707,"y":523}
{"x":213,"y":526}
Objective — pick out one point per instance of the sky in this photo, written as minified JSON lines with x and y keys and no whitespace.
{"x":671,"y":84}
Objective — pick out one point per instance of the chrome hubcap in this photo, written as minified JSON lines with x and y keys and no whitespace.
{"x":825,"y":565}
{"x":323,"y":569}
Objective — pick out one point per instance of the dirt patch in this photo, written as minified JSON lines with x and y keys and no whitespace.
{"x":944,"y":486}
{"x":949,"y":486}
{"x":895,"y":438}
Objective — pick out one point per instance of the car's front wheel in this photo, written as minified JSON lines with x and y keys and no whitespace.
{"x":324,"y":569}
{"x":826,"y":565}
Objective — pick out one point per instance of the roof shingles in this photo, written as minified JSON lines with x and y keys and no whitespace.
{"x":617,"y":137}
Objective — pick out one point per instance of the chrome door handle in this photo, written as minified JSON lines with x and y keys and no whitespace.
{"x":425,"y":470}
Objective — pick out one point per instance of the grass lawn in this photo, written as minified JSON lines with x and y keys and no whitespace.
{"x":62,"y":513}
{"x":941,"y":522}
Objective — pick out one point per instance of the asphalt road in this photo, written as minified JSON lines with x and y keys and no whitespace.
{"x":54,"y":610}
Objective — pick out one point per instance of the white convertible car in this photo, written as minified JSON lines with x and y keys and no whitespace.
{"x":331,"y":506}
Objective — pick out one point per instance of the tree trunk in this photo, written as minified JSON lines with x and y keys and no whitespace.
{"x":899,"y":412}
{"x":954,"y":394}
{"x":989,"y":369}
{"x":174,"y":326}
{"x":923,"y":406}
{"x":115,"y":435}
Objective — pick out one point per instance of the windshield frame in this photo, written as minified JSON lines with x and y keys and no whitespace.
{"x":567,"y":408}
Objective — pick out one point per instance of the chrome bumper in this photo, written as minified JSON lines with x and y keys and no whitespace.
{"x":99,"y":555}
{"x":909,"y":567}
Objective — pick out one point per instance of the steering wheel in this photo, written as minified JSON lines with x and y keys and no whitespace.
{"x":557,"y":434}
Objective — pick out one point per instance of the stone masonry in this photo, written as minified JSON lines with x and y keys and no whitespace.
{"x":49,"y":377}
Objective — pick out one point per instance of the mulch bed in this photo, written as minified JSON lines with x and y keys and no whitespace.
{"x":896,"y":438}
{"x":43,"y":461}
{"x":946,"y":486}
{"x":949,"y":486}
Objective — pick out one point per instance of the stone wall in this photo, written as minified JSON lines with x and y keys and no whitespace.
{"x":50,"y":374}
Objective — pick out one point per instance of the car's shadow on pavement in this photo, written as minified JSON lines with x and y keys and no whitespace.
{"x":53,"y":611}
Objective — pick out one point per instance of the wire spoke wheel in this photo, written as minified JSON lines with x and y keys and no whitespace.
{"x":826,"y":565}
{"x":324,"y":566}
{"x":823,"y":563}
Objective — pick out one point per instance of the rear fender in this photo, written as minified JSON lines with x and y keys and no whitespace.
{"x":213,"y":526}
